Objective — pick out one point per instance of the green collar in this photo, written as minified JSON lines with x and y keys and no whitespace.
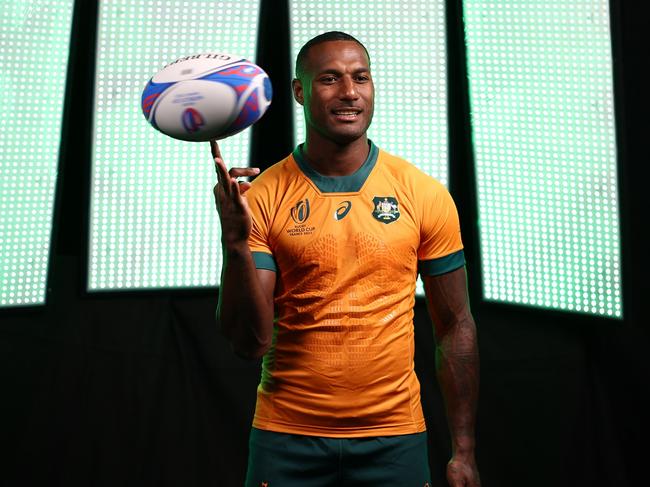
{"x":338,"y":184}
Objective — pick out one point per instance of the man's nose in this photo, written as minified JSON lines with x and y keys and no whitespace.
{"x":348,"y":89}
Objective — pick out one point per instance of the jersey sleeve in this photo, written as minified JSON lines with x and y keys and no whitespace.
{"x":441,"y":246}
{"x":258,"y":241}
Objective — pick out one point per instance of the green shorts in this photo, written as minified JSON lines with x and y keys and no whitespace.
{"x":285,"y":460}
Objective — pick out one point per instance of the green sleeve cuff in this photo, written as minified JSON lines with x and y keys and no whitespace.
{"x":264,"y":261}
{"x":442,"y":265}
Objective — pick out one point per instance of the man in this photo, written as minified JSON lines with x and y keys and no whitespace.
{"x":321,"y":255}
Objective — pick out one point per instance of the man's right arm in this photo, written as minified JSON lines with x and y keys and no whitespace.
{"x":245,"y":309}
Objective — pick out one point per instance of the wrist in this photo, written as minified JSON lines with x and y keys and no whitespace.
{"x":465,"y":456}
{"x":463,"y":448}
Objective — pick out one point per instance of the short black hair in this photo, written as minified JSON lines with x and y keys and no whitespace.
{"x":333,"y":35}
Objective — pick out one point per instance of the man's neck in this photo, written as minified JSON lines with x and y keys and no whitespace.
{"x":331,"y":159}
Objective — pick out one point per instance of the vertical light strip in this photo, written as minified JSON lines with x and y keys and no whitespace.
{"x":153,"y":219}
{"x":34,"y":47}
{"x":544,"y":138}
{"x":407,"y":46}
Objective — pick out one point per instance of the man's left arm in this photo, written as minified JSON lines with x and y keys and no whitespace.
{"x":457,"y":368}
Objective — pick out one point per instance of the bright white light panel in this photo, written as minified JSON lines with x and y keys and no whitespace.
{"x":408,"y":54}
{"x":34,"y":46}
{"x":544,"y":140}
{"x":153,"y":219}
{"x":407,"y":46}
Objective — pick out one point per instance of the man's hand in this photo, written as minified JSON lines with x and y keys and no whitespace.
{"x":231,"y":203}
{"x":462,"y":473}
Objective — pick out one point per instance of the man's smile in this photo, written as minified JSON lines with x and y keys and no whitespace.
{"x":350,"y":114}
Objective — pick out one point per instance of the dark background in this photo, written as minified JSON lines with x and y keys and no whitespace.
{"x":124,"y":389}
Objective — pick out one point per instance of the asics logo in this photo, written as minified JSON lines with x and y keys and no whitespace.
{"x":342,"y":210}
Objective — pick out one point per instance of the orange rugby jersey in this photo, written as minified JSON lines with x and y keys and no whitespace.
{"x":347,"y":251}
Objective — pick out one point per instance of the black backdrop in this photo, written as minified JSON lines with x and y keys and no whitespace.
{"x":140,"y":388}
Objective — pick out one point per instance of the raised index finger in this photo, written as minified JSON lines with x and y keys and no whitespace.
{"x":214,"y":148}
{"x":222,"y":174}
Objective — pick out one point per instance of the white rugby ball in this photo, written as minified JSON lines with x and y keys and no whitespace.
{"x":206,"y":96}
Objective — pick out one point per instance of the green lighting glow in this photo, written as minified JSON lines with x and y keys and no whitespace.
{"x":34,"y":45}
{"x":407,"y":45}
{"x":545,"y":150}
{"x":153,"y":220}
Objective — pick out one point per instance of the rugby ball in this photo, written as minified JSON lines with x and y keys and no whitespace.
{"x":206,"y":96}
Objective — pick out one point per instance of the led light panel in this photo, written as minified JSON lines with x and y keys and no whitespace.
{"x":544,"y":138}
{"x":153,"y":218}
{"x":34,"y":44}
{"x":407,"y":46}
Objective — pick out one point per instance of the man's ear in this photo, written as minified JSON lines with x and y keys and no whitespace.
{"x":296,"y":86}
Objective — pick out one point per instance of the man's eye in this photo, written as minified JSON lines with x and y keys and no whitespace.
{"x":328,"y":79}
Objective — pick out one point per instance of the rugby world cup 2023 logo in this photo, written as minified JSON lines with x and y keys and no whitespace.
{"x":192,"y":120}
{"x":300,"y":212}
{"x":299,"y":215}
